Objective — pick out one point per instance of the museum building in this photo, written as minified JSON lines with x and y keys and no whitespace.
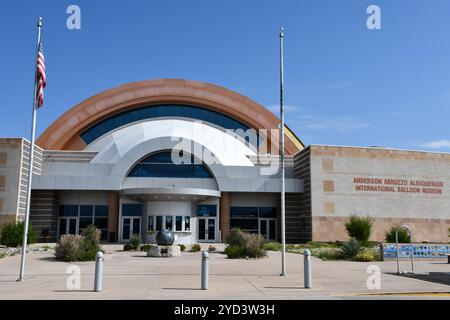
{"x":199,"y":159}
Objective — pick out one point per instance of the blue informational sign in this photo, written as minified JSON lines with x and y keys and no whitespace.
{"x":420,"y":250}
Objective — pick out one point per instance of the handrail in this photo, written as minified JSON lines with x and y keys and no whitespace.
{"x":410,"y":246}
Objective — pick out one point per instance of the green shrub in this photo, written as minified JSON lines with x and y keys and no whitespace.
{"x":145,"y":247}
{"x":328,"y":254}
{"x":403,"y":235}
{"x":236,"y":237}
{"x":69,"y":248}
{"x":211,"y":248}
{"x":133,"y":244}
{"x":12,"y":234}
{"x":196,"y":248}
{"x":182,"y":247}
{"x":272,"y":246}
{"x":2,"y":255}
{"x":359,"y":228}
{"x":351,"y":248}
{"x":79,"y":247}
{"x":91,"y":243}
{"x":364,"y":256}
{"x":254,"y":246}
{"x":246,"y":244}
{"x":235,"y":252}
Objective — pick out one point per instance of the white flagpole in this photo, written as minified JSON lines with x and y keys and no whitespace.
{"x":283,"y":208}
{"x":30,"y":163}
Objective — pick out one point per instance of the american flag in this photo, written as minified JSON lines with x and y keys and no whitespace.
{"x":41,"y":80}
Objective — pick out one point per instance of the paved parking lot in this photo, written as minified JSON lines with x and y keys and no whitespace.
{"x":132,"y":275}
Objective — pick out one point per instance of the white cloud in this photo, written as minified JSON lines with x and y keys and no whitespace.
{"x":275,"y":108}
{"x":340,"y":124}
{"x":339,"y":85}
{"x":438,"y":144}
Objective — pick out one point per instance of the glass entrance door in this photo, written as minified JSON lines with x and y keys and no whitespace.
{"x":68,"y":225}
{"x":207,"y":229}
{"x":267,"y":228}
{"x":130,"y":226}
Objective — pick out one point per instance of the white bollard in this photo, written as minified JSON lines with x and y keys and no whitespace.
{"x":205,"y":258}
{"x":98,"y":282}
{"x":307,"y":268}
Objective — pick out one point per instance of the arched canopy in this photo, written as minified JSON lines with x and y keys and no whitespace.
{"x":65,"y":133}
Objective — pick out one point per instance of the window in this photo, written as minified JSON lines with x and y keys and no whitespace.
{"x":87,"y":215}
{"x":178,"y":223}
{"x":161,"y":165}
{"x":169,"y":222}
{"x":159,"y":220}
{"x":206,"y":210}
{"x":244,"y":212}
{"x":267,"y":212}
{"x":244,"y":218}
{"x":68,"y":210}
{"x":86,"y":211}
{"x":187,"y":223}
{"x":132,"y":210}
{"x":159,"y":111}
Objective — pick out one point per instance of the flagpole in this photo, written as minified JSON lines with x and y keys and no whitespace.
{"x":31,"y":160}
{"x":283,"y":208}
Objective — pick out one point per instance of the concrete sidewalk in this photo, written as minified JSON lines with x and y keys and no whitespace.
{"x":132,"y":275}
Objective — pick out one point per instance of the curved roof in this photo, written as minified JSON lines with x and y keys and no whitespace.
{"x":64,"y":133}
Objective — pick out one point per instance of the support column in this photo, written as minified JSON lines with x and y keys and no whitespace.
{"x":224,"y":215}
{"x":113,"y":216}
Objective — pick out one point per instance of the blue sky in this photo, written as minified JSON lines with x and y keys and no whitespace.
{"x":345,"y":84}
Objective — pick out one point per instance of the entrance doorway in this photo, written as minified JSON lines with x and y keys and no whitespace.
{"x":207,"y":229}
{"x":130,"y":226}
{"x":267,"y":228}
{"x":67,"y":225}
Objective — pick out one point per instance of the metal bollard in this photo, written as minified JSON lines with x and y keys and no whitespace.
{"x":98,"y":272}
{"x":307,"y":268}
{"x":205,"y":258}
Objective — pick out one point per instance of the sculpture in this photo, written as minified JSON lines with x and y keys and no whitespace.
{"x":165,"y":238}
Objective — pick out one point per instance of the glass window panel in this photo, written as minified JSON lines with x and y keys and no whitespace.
{"x":84,"y":222}
{"x":169,"y":222}
{"x":86,"y":211}
{"x":159,"y":221}
{"x":267,"y":212}
{"x":187,"y":223}
{"x":68,"y":210}
{"x":178,"y":223}
{"x":136,"y":226}
{"x":244,"y":212}
{"x":244,"y":224}
{"x":160,"y":165}
{"x":62,"y":226}
{"x":101,"y":223}
{"x":132,"y":209}
{"x":126,"y":228}
{"x":272,"y":229}
{"x":207,"y":210}
{"x":211,"y":229}
{"x":149,"y":112}
{"x":73,"y":226}
{"x":101,"y":211}
{"x":202,"y":229}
